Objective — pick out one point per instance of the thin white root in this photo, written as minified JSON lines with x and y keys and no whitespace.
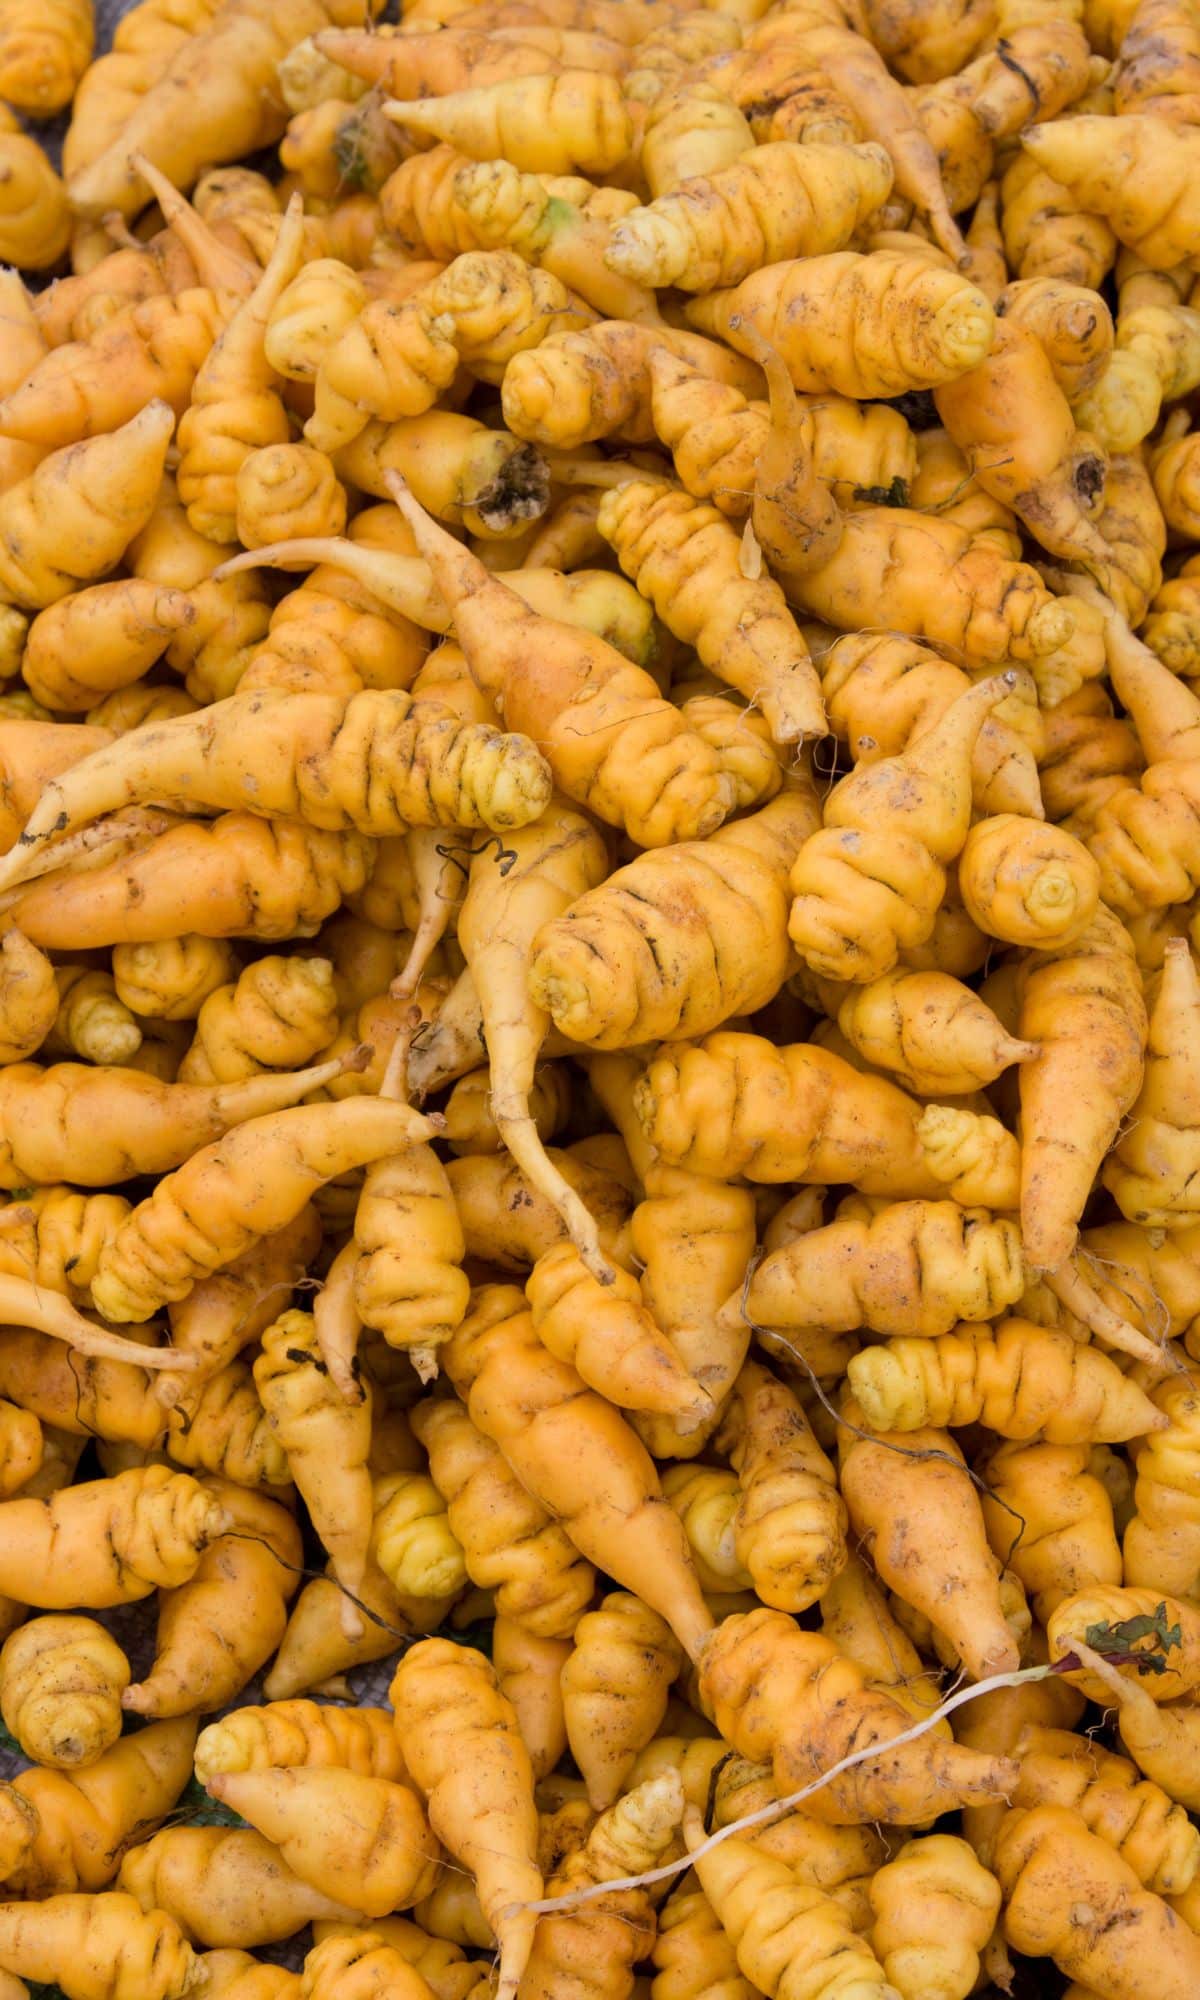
{"x":765,"y":1814}
{"x":1073,"y":1291}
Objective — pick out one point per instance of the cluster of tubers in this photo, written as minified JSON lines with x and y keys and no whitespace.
{"x":599,"y":1000}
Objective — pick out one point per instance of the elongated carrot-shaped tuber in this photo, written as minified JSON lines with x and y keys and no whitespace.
{"x":87,"y":387}
{"x":364,"y":1839}
{"x":525,"y":1400}
{"x":460,"y":58}
{"x":283,"y":1734}
{"x":1014,"y":424}
{"x":608,"y":1335}
{"x":466,"y":1754}
{"x":905,"y":1267}
{"x":375,"y":763}
{"x":870,"y":882}
{"x":86,"y":1818}
{"x":575,"y":122}
{"x":510,"y":1543}
{"x":234,"y":409}
{"x":684,"y":556}
{"x":249,"y":1184}
{"x":220,"y":1627}
{"x":1150,"y":1170}
{"x":103,"y":1125}
{"x":736,"y":1104}
{"x":110,"y":1541}
{"x":615,"y":1684}
{"x":793,"y":1699}
{"x":601,"y":970}
{"x":99,"y":1948}
{"x":511,"y":893}
{"x":693,"y":1238}
{"x":327,"y":1441}
{"x":407,"y":1280}
{"x":611,"y":740}
{"x":85,"y":646}
{"x":1076,"y":1002}
{"x":225,"y":1886}
{"x":77,"y":512}
{"x":865,"y":326}
{"x":934,"y":1552}
{"x":776,"y":202}
{"x":789,"y":1528}
{"x":237,"y":876}
{"x":1024,"y":1381}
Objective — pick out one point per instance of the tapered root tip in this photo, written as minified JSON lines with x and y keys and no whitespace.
{"x":304,"y":553}
{"x":731,"y":1314}
{"x":516,"y":1943}
{"x":693,"y":1408}
{"x":168,"y":1389}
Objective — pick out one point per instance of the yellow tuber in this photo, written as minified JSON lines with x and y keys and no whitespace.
{"x":684,"y":557}
{"x":935,"y":1907}
{"x":1023,"y":1381}
{"x":363,"y":1840}
{"x":790,"y":1697}
{"x":602,"y":1485}
{"x":75,"y":515}
{"x":933,"y":1552}
{"x":1070,"y":1897}
{"x":679,"y":939}
{"x":327,"y":1441}
{"x":1028,"y":883}
{"x":252,"y":1183}
{"x":219,"y":1627}
{"x":779,"y":201}
{"x":99,"y":1948}
{"x":1069,"y":1541}
{"x":908,"y":1267}
{"x":615,"y":1684}
{"x":607,"y":1334}
{"x":1149,"y":1171}
{"x":864,"y":326}
{"x":61,"y":1681}
{"x":869,"y":883}
{"x":789,"y":1526}
{"x":510,"y":1544}
{"x":465,"y":1752}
